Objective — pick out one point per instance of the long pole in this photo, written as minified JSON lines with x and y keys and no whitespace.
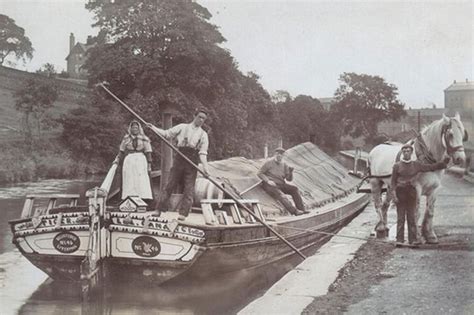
{"x":229,"y":193}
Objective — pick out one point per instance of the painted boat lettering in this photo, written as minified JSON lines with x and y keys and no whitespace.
{"x":162,"y":226}
{"x":47,"y":222}
{"x":190,"y":231}
{"x":66,"y":242}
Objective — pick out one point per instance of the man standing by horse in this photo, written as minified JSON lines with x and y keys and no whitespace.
{"x":404,"y":191}
{"x":441,"y":138}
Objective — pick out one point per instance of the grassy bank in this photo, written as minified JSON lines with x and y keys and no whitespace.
{"x":42,"y":160}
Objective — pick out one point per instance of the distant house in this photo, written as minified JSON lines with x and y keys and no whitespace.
{"x":459,"y":96}
{"x":414,"y":120}
{"x":77,"y":57}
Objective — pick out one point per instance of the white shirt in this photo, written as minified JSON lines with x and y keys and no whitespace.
{"x":187,"y":135}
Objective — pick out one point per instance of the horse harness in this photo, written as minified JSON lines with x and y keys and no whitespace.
{"x":424,"y":154}
{"x":446,"y":131}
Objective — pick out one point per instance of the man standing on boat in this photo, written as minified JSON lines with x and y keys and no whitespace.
{"x":404,"y":192}
{"x":273,"y":175}
{"x":193,"y":142}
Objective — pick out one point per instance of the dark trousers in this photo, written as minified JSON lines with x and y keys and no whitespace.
{"x":278,"y":193}
{"x":182,"y":173}
{"x":406,"y":208}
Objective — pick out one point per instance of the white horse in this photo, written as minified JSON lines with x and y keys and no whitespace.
{"x":441,"y":138}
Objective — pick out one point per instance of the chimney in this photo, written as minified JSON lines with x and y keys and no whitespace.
{"x":467,"y":81}
{"x":72,"y":42}
{"x":454,"y":81}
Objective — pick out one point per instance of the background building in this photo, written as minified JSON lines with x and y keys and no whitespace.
{"x":459,"y":96}
{"x":77,"y":57}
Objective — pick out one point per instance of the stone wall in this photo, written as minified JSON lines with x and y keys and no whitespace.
{"x":13,"y":79}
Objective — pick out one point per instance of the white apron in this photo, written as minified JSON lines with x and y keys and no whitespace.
{"x":135,"y":179}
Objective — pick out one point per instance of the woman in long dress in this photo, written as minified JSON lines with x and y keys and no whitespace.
{"x":135,"y":150}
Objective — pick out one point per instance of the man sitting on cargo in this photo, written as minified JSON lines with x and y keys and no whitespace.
{"x":273,"y":174}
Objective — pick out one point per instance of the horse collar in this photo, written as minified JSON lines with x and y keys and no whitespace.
{"x":422,"y":152}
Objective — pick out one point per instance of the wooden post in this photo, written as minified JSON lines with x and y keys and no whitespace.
{"x":166,"y":151}
{"x":91,"y":272}
{"x":419,"y":121}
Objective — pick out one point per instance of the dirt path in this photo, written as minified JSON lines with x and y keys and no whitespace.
{"x":431,"y":279}
{"x":385,"y":280}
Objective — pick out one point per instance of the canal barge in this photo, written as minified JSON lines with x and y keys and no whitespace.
{"x":122,"y":241}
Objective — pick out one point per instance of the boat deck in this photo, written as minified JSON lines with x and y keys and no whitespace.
{"x":197,"y":218}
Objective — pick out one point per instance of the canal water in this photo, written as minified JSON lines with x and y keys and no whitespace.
{"x":24,"y":289}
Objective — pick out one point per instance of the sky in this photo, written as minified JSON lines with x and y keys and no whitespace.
{"x":303,"y":46}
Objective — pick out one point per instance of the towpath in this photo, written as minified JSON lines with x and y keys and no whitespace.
{"x":365,"y":277}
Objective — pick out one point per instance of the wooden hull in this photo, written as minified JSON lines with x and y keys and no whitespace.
{"x":155,"y":250}
{"x":228,"y":250}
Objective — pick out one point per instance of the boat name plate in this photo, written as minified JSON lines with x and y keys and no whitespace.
{"x":146,"y":246}
{"x":66,"y":242}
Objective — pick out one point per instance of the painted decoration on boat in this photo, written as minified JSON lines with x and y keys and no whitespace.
{"x":66,"y":242}
{"x":49,"y":223}
{"x":133,"y":204}
{"x":146,"y":246}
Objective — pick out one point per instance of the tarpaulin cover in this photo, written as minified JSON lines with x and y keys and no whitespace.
{"x":318,"y":177}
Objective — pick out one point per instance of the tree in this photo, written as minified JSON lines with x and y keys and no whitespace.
{"x":13,"y":40}
{"x":33,"y":100}
{"x":165,"y":52}
{"x":301,"y":119}
{"x":47,"y":70}
{"x":93,"y":131}
{"x":363,"y":101}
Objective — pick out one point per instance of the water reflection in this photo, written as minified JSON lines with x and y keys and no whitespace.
{"x":221,"y":294}
{"x":50,"y":186}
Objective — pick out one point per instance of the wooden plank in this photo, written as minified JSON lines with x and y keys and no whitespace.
{"x":221,"y":214}
{"x":27,"y":207}
{"x":208,"y":213}
{"x":258,"y":211}
{"x":228,"y":201}
{"x":234,"y":210}
{"x":55,"y":196}
{"x":51,"y":204}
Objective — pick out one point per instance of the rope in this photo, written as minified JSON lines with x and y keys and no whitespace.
{"x":339,"y":235}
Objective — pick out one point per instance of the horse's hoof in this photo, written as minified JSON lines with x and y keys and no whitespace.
{"x":381,"y":234}
{"x":432,"y":240}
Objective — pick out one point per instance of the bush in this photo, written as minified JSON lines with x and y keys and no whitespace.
{"x":63,"y":74}
{"x":47,"y":159}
